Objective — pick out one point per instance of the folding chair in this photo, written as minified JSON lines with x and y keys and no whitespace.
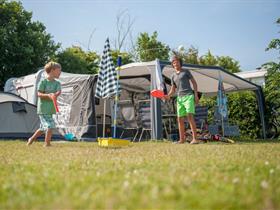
{"x":200,"y":117}
{"x":128,"y":117}
{"x":144,"y":110}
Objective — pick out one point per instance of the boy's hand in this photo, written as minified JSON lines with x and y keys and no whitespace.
{"x":52,"y":96}
{"x":57,"y":93}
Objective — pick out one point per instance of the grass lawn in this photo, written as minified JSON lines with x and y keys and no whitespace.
{"x":143,"y":176}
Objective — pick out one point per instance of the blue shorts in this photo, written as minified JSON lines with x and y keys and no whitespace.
{"x":47,"y":122}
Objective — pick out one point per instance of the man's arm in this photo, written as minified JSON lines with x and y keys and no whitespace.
{"x":195,"y":90}
{"x":171,"y":92}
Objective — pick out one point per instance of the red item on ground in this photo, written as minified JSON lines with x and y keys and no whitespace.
{"x":216,"y":137}
{"x":157,"y":93}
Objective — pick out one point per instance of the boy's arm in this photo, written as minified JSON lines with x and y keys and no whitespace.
{"x":58,"y":90}
{"x":44,"y":95}
{"x":57,"y":93}
{"x":195,"y":90}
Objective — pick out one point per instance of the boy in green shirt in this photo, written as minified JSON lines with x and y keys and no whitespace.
{"x":48,"y":90}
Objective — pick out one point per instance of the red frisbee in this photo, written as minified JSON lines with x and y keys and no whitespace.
{"x":157,"y":93}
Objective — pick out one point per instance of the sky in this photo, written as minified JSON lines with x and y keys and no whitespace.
{"x":241,"y":29}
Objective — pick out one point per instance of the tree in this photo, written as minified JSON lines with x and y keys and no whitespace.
{"x":75,"y":60}
{"x":208,"y":59}
{"x":274,"y":43}
{"x":124,"y":27}
{"x":272,"y":81}
{"x":24,"y":45}
{"x":126,"y":57}
{"x":149,"y":48}
{"x":228,"y":64}
{"x":190,"y":56}
{"x":272,"y":88}
{"x":225,"y":62}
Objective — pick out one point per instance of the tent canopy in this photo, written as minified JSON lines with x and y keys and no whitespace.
{"x":136,"y":76}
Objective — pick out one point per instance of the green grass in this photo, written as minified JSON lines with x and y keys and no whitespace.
{"x":142,"y":176}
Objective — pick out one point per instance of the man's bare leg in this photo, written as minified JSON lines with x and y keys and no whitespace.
{"x":34,"y":137}
{"x":181,"y":123}
{"x":193,"y":128}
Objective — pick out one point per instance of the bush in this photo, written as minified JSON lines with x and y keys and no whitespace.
{"x":243,"y":111}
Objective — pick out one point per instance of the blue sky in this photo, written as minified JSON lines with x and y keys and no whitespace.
{"x":241,"y":29}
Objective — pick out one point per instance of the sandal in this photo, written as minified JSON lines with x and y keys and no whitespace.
{"x":196,"y":142}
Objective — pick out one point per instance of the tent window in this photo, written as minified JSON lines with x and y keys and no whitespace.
{"x":19,"y":107}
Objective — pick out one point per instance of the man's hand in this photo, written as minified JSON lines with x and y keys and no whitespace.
{"x":196,"y":99}
{"x":166,"y":97}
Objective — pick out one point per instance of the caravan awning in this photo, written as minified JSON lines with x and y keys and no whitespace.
{"x":207,"y":77}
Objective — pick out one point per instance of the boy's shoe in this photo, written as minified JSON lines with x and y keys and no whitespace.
{"x":179,"y":142}
{"x":30,"y":141}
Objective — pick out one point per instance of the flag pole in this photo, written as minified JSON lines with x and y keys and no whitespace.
{"x":104,"y":117}
{"x":119,"y":63}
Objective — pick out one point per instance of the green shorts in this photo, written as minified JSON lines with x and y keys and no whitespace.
{"x":46,"y":122}
{"x":185,"y":105}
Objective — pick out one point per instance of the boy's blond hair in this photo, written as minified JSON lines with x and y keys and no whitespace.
{"x":51,"y":65}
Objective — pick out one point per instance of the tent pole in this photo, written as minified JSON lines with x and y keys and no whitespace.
{"x":223,"y":126}
{"x":156,"y":118}
{"x":261,"y":103}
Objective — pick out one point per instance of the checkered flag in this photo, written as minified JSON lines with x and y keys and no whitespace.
{"x":107,"y":75}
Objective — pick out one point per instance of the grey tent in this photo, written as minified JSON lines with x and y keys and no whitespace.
{"x":77,"y":104}
{"x":140,"y":77}
{"x":18,"y":118}
{"x":80,"y":109}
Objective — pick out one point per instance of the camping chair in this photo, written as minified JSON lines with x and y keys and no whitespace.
{"x":144,"y":110}
{"x":127,"y":117}
{"x":169,"y":118}
{"x":216,"y":128}
{"x":200,"y":117}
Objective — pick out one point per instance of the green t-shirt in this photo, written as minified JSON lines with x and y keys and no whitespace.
{"x":46,"y":106}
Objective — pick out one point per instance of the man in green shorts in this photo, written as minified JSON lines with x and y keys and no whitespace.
{"x":186,"y":98}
